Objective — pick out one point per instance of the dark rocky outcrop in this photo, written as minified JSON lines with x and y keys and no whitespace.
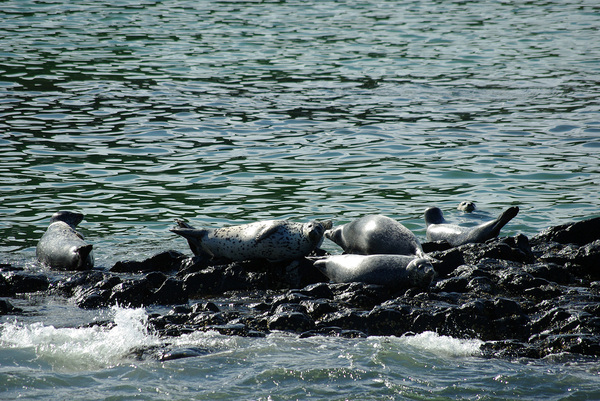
{"x":524,"y":297}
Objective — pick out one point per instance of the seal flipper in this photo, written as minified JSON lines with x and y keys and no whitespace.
{"x":267,"y":230}
{"x":193,"y":236}
{"x":492,"y":229}
{"x":85,"y":257}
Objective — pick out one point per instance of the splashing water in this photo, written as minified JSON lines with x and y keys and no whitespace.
{"x":85,"y":347}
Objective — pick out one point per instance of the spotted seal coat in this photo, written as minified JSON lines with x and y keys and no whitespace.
{"x":375,"y":234}
{"x":386,"y":270}
{"x":438,"y":229}
{"x":62,"y":247}
{"x":274,"y":240}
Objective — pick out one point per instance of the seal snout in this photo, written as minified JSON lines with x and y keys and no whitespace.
{"x":315,"y":231}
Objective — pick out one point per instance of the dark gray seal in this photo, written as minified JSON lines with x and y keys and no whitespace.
{"x":386,"y":270}
{"x":375,"y":234}
{"x":438,"y":229}
{"x":62,"y":247}
{"x":274,"y":240}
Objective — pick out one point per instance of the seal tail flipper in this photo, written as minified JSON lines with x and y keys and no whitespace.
{"x":193,"y":237}
{"x":182,"y":224}
{"x":85,"y":258}
{"x":501,"y":221}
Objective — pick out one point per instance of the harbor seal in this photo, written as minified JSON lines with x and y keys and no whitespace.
{"x":62,"y":247}
{"x":438,"y":229}
{"x":467,"y":206}
{"x":274,"y":240}
{"x":386,"y":270}
{"x":375,"y":234}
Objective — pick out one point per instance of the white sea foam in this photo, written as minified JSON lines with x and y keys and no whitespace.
{"x":443,"y":345}
{"x":86,"y":347}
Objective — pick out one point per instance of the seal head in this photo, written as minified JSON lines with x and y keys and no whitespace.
{"x":467,"y":206}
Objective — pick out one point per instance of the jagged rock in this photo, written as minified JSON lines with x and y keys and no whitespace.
{"x":170,"y":292}
{"x":20,"y":283}
{"x":290,"y":321}
{"x":164,"y":262}
{"x":6,"y":308}
{"x":132,"y":293}
{"x":579,"y":233}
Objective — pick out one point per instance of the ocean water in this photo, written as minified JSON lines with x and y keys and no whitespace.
{"x":224,"y":112}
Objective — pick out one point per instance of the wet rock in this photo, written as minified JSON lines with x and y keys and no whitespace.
{"x":132,"y":293}
{"x":68,"y":286}
{"x":6,"y":308}
{"x":91,"y":298}
{"x":290,"y":321}
{"x":204,"y":307}
{"x":383,"y":321}
{"x":316,"y":308}
{"x":346,"y":319}
{"x":579,"y":233}
{"x":5,"y":288}
{"x":170,"y":292}
{"x":167,"y":261}
{"x":21,"y":283}
{"x":179,"y":353}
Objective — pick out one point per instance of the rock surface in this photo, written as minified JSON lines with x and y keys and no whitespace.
{"x":524,"y":297}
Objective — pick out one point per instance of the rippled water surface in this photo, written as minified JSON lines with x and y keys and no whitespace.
{"x":220,"y":112}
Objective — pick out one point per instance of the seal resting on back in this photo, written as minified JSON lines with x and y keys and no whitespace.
{"x":375,"y":234}
{"x":274,"y":240}
{"x":387,"y":270}
{"x":438,"y":229}
{"x":62,"y":247}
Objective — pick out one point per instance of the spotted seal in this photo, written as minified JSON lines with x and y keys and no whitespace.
{"x":274,"y":240}
{"x":386,"y":270}
{"x":438,"y":229}
{"x":62,"y":247}
{"x":375,"y":234}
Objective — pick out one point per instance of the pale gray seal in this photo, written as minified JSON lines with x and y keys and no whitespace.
{"x":438,"y":229}
{"x":375,"y":234}
{"x":62,"y":247}
{"x":467,"y":206}
{"x":274,"y":240}
{"x":387,"y":270}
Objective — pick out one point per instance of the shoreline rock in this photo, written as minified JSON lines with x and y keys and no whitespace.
{"x":524,"y":297}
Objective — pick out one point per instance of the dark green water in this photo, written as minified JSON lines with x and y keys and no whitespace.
{"x":136,"y":113}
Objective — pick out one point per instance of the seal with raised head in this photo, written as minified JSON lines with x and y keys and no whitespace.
{"x":375,"y":234}
{"x":274,"y":240}
{"x":387,"y":270}
{"x":467,"y":206}
{"x":62,"y":247}
{"x":438,"y":229}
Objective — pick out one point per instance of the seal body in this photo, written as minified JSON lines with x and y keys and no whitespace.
{"x":62,"y":247}
{"x":375,"y":234}
{"x":387,"y":270}
{"x":438,"y":229}
{"x":274,"y":240}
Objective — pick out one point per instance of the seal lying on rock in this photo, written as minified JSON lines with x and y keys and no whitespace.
{"x":375,"y":234}
{"x":386,"y":270}
{"x":438,"y":229}
{"x":62,"y":247}
{"x":274,"y":240}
